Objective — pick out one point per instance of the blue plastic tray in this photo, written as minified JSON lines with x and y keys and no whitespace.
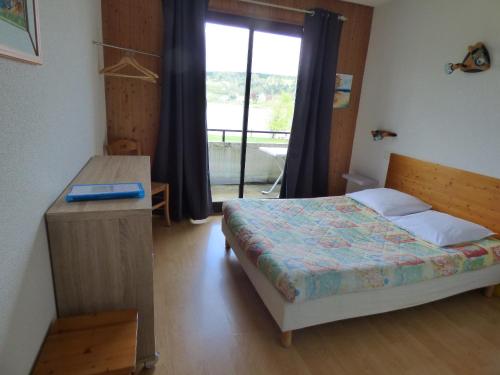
{"x":91,"y":192}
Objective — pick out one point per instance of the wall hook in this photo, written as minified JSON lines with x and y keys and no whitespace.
{"x":378,"y":135}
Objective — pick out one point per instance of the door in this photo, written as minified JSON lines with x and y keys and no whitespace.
{"x":275,"y":65}
{"x":251,"y":82}
{"x":227,"y":55}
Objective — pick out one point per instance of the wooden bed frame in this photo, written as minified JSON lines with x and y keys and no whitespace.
{"x":467,"y":195}
{"x":460,"y":193}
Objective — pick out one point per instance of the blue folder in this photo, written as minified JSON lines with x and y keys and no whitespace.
{"x":90,"y":192}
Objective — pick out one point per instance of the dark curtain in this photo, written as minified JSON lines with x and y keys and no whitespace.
{"x":306,"y":168}
{"x":182,"y":149}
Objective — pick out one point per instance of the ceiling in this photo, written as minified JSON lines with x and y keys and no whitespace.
{"x":372,"y":3}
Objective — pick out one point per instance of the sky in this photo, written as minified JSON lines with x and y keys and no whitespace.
{"x":227,"y":48}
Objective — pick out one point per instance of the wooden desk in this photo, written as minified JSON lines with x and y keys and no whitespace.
{"x":101,"y":251}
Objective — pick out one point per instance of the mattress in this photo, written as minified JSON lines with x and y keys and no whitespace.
{"x":319,"y":247}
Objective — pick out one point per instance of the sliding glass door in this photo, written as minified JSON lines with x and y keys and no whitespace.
{"x":227,"y":49}
{"x":251,"y":81}
{"x":275,"y":64}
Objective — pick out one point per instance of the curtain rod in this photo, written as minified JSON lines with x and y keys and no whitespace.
{"x":124,"y":49}
{"x":311,"y":12}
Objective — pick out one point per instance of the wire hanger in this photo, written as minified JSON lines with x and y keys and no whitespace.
{"x":129,"y":61}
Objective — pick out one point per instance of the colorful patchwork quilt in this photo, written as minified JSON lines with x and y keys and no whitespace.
{"x":314,"y":248}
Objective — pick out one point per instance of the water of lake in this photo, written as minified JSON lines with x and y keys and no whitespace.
{"x":230,"y":116}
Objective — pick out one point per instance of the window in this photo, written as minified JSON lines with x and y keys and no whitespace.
{"x":251,"y":82}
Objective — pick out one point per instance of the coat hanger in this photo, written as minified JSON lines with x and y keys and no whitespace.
{"x":129,"y":61}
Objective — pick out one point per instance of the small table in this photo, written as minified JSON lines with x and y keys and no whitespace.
{"x":363,"y":182}
{"x":103,"y":343}
{"x":279,"y":156}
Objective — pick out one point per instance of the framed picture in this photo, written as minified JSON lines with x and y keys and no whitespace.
{"x":343,"y":85}
{"x":20,"y":30}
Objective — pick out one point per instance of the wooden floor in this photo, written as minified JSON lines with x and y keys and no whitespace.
{"x":209,"y":320}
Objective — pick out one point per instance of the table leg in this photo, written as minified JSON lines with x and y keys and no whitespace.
{"x":274,"y":185}
{"x":282,"y":168}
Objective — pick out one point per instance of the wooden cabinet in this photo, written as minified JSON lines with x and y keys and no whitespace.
{"x":102,"y":251}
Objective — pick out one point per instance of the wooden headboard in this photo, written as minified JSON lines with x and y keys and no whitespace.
{"x":467,"y":195}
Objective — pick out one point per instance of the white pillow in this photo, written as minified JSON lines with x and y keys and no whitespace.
{"x":389,"y":202}
{"x":441,"y":229}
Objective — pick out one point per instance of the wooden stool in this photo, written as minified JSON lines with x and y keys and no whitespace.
{"x":103,"y":343}
{"x":159,"y":188}
{"x":132,"y":147}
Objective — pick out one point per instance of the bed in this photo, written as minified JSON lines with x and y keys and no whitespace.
{"x":319,"y":260}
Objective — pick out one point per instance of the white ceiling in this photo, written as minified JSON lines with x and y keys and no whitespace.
{"x":372,"y":3}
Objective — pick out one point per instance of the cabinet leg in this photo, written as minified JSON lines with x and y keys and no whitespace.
{"x":166,"y":208}
{"x":151,"y":362}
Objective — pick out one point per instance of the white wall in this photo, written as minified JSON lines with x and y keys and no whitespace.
{"x":453,"y":120}
{"x":52,"y":119}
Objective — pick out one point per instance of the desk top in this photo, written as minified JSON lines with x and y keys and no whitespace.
{"x":274,"y":151}
{"x":103,"y":170}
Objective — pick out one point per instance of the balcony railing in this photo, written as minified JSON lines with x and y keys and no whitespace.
{"x":249,"y":133}
{"x":225,"y":156}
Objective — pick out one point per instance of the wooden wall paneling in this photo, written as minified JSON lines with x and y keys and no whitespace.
{"x":133,"y":109}
{"x":132,"y":106}
{"x":262,"y":12}
{"x":352,"y":57}
{"x":152,"y":101}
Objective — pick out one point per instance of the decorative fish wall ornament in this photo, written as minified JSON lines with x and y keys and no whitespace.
{"x":477,"y":60}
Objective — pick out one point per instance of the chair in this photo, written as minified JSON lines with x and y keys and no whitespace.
{"x":124,"y":147}
{"x":132,"y":147}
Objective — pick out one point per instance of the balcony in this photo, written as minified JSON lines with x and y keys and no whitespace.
{"x":261,"y":169}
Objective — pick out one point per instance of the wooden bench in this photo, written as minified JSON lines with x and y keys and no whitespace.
{"x":103,"y":343}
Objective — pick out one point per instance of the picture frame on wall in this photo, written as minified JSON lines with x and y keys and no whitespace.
{"x":343,"y":86}
{"x":20,"y":30}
